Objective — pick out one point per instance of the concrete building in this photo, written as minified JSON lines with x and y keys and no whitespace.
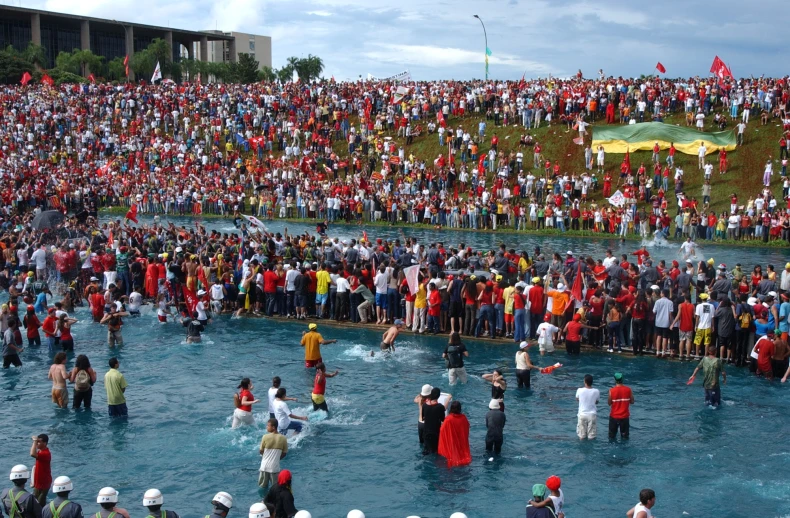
{"x":58,"y":32}
{"x":260,"y":47}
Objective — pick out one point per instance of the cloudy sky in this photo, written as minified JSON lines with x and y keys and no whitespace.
{"x":442,"y":39}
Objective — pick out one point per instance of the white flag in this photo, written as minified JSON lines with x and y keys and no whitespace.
{"x":617,"y":199}
{"x":412,"y":277}
{"x":255,"y":222}
{"x":157,"y":73}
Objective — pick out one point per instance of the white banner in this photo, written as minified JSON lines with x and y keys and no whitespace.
{"x":402,"y":76}
{"x":157,"y":73}
{"x":255,"y":222}
{"x":617,"y":199}
{"x":412,"y":277}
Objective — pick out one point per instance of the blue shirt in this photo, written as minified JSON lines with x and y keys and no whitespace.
{"x":784,"y":313}
{"x":41,"y":303}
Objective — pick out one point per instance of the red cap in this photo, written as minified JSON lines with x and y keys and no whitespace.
{"x":284,"y":477}
{"x":576,"y":317}
{"x":30,"y":308}
{"x":553,"y":483}
{"x":547,"y":317}
{"x":50,"y":310}
{"x":450,"y":277}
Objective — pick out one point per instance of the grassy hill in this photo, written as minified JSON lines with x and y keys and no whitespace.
{"x":744,"y":175}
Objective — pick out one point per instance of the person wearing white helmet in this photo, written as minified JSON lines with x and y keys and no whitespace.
{"x":222,"y":503}
{"x":17,"y":502}
{"x":108,"y":500}
{"x":61,"y":506}
{"x":303,"y":514}
{"x":355,"y":513}
{"x":259,"y":510}
{"x":458,"y":515}
{"x":153,"y":500}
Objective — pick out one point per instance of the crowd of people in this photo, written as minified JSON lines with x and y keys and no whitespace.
{"x":341,"y":151}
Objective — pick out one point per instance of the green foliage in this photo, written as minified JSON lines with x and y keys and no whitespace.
{"x":144,"y":62}
{"x":79,"y":61}
{"x":267,"y":74}
{"x":116,"y":71}
{"x":308,"y":68}
{"x":12,"y":66}
{"x":35,"y":54}
{"x":245,"y":69}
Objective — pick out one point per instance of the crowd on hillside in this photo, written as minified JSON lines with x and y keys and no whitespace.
{"x":275,"y":151}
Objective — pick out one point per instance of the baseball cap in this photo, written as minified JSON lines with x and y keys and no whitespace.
{"x":618,"y":376}
{"x":494,"y":404}
{"x":703,"y":296}
{"x":523,"y":345}
{"x":426,"y":390}
{"x":312,"y":327}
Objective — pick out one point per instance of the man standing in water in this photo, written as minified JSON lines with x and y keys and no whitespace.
{"x":319,"y":387}
{"x":620,"y":399}
{"x":42,"y":473}
{"x":433,"y":416}
{"x":115,"y":384}
{"x":274,"y":446}
{"x":647,"y":499}
{"x":388,"y":340}
{"x":587,"y":396}
{"x":711,"y":368}
{"x":312,"y":342}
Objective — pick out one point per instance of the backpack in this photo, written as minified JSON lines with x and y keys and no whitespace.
{"x":236,"y":401}
{"x":454,"y":359}
{"x":82,"y":382}
{"x":745,"y":319}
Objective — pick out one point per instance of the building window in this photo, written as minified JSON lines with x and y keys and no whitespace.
{"x":252,"y":44}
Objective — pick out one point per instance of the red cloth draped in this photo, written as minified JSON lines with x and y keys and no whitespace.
{"x":454,"y":440}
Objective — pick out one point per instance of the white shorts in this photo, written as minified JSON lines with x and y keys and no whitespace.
{"x":587,"y":426}
{"x":241,"y":417}
{"x":457,"y":374}
{"x":546,"y":348}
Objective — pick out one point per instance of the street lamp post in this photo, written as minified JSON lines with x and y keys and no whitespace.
{"x":486,"y":41}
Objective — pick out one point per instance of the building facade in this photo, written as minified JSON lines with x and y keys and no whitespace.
{"x":57,"y":32}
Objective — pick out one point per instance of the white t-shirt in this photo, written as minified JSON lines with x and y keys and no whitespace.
{"x":40,"y":258}
{"x":640,"y":508}
{"x":559,"y":501}
{"x":380,"y":281}
{"x":272,"y":394}
{"x":588,"y":398}
{"x":281,"y":413}
{"x":342,"y":285}
{"x":201,"y":311}
{"x":705,"y":313}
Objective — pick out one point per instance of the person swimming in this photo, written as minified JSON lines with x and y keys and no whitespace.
{"x":388,"y":340}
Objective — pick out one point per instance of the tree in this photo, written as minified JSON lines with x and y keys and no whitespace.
{"x":35,"y":54}
{"x":245,"y":69}
{"x":144,"y":62}
{"x":284,"y":74}
{"x":310,"y":68}
{"x":267,"y":74}
{"x":12,"y":66}
{"x":116,"y":71}
{"x":78,"y":62}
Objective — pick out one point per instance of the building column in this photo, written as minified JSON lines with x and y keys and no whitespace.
{"x":169,"y":58}
{"x":85,"y":41}
{"x":191,"y":50}
{"x":129,"y":34}
{"x":204,"y":48}
{"x":232,"y":50}
{"x":35,"y":28}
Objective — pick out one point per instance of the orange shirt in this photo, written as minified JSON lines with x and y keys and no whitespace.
{"x":559,"y":301}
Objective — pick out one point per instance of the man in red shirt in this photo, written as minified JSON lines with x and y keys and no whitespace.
{"x":42,"y":474}
{"x":270,"y":279}
{"x":536,"y":304}
{"x":434,"y":308}
{"x":685,"y":317}
{"x":620,"y":399}
{"x":764,"y":348}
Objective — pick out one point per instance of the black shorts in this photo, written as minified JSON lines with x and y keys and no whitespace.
{"x":456,"y":309}
{"x":663,"y":332}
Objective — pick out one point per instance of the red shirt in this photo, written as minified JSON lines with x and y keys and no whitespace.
{"x":242,"y":394}
{"x":764,"y":348}
{"x":270,"y":281}
{"x":319,"y":385}
{"x":536,"y":300}
{"x":686,"y":317}
{"x":621,"y":402}
{"x":519,"y":301}
{"x":574,"y":331}
{"x":434,"y":303}
{"x":42,"y":476}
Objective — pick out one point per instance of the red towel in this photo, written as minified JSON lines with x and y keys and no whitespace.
{"x":454,"y":440}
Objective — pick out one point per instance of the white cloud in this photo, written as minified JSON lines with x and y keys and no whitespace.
{"x":319,"y":13}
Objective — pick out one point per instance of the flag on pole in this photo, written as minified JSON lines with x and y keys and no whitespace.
{"x":255,"y":222}
{"x":661,"y":68}
{"x":131,"y":214}
{"x":91,"y":78}
{"x":190,"y":298}
{"x":26,"y":78}
{"x":522,"y":83}
{"x":126,"y":64}
{"x":46,"y":80}
{"x":412,"y":274}
{"x":157,"y":73}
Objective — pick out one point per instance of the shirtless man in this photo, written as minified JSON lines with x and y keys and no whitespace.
{"x":57,"y":373}
{"x":190,"y":266}
{"x":388,"y":340}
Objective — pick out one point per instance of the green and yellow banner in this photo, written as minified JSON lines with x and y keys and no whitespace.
{"x":642,"y":137}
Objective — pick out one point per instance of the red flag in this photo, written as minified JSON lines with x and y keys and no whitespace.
{"x":126,"y":61}
{"x":201,"y":275}
{"x":26,"y":77}
{"x":190,"y":298}
{"x":132,"y":213}
{"x":91,"y":78}
{"x":522,"y":83}
{"x":717,"y":62}
{"x":365,"y":235}
{"x":46,"y":80}
{"x":576,"y":289}
{"x":661,"y":68}
{"x":110,"y":240}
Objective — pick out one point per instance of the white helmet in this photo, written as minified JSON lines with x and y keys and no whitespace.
{"x":259,"y":510}
{"x":62,"y":484}
{"x":107,"y":495}
{"x":224,"y":499}
{"x":19,"y":472}
{"x":153,"y":497}
{"x":355,"y":513}
{"x":458,"y":515}
{"x":303,"y":514}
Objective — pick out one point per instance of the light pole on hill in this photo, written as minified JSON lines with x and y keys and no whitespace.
{"x":486,"y":41}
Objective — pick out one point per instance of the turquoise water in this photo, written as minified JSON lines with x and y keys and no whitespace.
{"x":729,"y":462}
{"x":366,"y":454}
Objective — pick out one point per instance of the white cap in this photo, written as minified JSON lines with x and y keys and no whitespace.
{"x":560,"y":287}
{"x":200,"y":293}
{"x":355,"y":513}
{"x":426,"y":390}
{"x":259,"y":510}
{"x":566,"y":253}
{"x":458,"y":515}
{"x":752,"y":301}
{"x":179,"y":249}
{"x":62,"y":484}
{"x":19,"y":472}
{"x":523,"y":345}
{"x":303,"y":514}
{"x":107,"y":495}
{"x":223,"y":498}
{"x":153,"y":497}
{"x":654,"y":287}
{"x":772,"y":294}
{"x":494,"y":404}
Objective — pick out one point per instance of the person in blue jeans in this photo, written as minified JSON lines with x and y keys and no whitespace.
{"x":486,"y":312}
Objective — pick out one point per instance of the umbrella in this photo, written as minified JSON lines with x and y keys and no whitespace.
{"x":48,"y":219}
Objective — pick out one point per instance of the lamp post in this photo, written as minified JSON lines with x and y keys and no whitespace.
{"x":486,"y":40}
{"x":125,"y":40}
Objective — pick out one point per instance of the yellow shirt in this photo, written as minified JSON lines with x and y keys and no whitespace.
{"x":507,"y":294}
{"x":312,"y":345}
{"x":421,"y":300}
{"x":323,"y":281}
